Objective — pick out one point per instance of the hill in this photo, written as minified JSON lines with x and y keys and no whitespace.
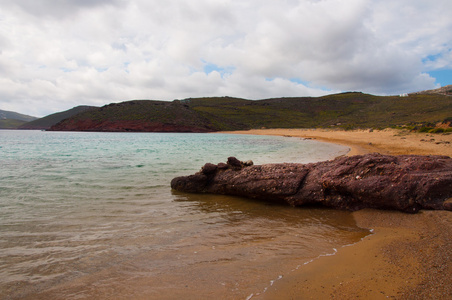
{"x":11,"y":120}
{"x":47,"y":121}
{"x":445,"y":90}
{"x":138,"y":115}
{"x":10,"y":123}
{"x":345,"y":110}
{"x":4,"y":114}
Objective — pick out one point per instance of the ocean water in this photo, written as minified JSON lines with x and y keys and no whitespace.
{"x":92,"y":216}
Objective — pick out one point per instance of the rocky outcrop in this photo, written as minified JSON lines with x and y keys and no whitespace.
{"x":406,"y":183}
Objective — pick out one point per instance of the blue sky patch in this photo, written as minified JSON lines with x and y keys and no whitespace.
{"x":431,"y":57}
{"x":299,"y":81}
{"x":443,"y":77}
{"x":209,"y":68}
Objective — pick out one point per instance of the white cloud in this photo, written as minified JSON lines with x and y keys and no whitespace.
{"x":58,"y":54}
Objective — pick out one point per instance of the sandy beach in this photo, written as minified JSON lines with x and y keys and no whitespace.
{"x":406,"y":257}
{"x":387,"y":141}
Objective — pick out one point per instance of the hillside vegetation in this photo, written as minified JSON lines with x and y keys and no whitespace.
{"x":50,"y":120}
{"x":10,"y":123}
{"x":346,"y":110}
{"x":5,"y":114}
{"x":12,"y":120}
{"x":445,"y":90}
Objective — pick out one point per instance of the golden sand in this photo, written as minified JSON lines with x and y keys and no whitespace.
{"x":407,"y":257}
{"x":388,"y":141}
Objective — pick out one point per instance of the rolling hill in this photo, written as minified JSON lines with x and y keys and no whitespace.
{"x":345,"y":110}
{"x":445,"y":90}
{"x":47,"y":121}
{"x":12,"y":120}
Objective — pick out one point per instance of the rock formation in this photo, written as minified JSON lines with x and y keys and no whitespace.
{"x":406,"y":183}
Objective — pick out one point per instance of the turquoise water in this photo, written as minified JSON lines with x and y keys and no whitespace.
{"x":92,"y":215}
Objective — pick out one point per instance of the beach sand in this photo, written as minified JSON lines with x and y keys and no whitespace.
{"x":406,"y":257}
{"x":387,"y":141}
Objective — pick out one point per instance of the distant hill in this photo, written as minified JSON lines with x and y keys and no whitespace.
{"x":445,"y":90}
{"x":4,"y":114}
{"x":11,"y":120}
{"x":10,"y":123}
{"x":138,"y":115}
{"x":345,"y":110}
{"x":47,"y":121}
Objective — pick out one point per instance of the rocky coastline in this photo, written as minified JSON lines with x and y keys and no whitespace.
{"x":405,"y":183}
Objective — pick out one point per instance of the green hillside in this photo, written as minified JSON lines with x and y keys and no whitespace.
{"x":10,"y":123}
{"x":12,"y":120}
{"x":346,"y":110}
{"x":4,"y":114}
{"x":138,"y":115}
{"x":47,"y":121}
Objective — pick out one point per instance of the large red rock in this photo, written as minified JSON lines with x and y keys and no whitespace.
{"x":407,"y":182}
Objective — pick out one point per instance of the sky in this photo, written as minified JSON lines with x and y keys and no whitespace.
{"x":57,"y":54}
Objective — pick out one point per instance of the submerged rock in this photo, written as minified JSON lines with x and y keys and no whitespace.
{"x":406,"y":182}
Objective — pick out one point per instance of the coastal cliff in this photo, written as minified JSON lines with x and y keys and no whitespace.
{"x":407,"y":182}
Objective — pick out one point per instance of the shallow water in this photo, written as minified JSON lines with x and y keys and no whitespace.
{"x":91,"y":215}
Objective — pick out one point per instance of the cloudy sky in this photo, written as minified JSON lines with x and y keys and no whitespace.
{"x":57,"y":54}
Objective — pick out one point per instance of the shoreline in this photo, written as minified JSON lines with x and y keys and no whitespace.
{"x":387,"y":141}
{"x":406,"y":257}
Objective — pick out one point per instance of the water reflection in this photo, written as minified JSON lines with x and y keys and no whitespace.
{"x":236,"y":209}
{"x":220,"y":246}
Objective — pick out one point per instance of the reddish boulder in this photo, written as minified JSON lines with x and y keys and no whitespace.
{"x":407,"y":182}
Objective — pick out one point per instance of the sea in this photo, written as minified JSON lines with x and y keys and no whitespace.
{"x":90,"y":215}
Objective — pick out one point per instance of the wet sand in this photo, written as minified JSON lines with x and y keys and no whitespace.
{"x":407,"y":256}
